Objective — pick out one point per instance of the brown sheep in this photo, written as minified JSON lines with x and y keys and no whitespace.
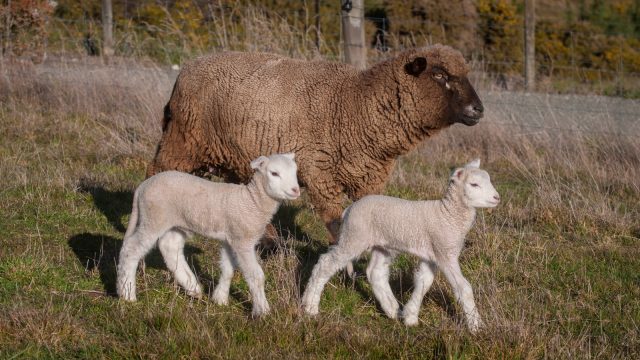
{"x":346,"y":127}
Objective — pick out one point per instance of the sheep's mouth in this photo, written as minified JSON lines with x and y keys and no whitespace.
{"x":470,"y":120}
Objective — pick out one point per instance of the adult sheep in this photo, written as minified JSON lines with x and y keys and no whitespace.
{"x":345,"y":126}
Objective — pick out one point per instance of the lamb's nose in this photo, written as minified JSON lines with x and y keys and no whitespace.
{"x":496,"y":197}
{"x":478,"y":108}
{"x":295,"y":190}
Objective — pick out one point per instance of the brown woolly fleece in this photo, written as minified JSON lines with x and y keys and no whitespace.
{"x":345,"y":126}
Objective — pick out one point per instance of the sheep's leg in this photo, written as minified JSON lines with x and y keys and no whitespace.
{"x":171,"y":246}
{"x":221,"y":293}
{"x":248,"y":263}
{"x":423,"y":279}
{"x":378,"y":275}
{"x":134,"y":248}
{"x":463,"y":292}
{"x":329,"y":209}
{"x":328,"y":264}
{"x":174,"y":153}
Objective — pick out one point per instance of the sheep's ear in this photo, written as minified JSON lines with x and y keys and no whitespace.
{"x":417,"y":66}
{"x":289,"y":156}
{"x":475,"y":163}
{"x":259,"y":162}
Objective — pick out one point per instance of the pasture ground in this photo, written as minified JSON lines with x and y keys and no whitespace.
{"x":555,"y":268}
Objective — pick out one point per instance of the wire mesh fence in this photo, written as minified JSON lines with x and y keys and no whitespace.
{"x":169,"y":42}
{"x":172,"y":42}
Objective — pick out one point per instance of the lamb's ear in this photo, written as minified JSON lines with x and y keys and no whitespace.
{"x":289,"y":156}
{"x":457,"y":174}
{"x":417,"y":66}
{"x":259,"y":162}
{"x":475,"y":163}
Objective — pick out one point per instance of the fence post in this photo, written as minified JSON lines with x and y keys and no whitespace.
{"x":530,"y":44}
{"x":317,"y":23}
{"x":107,"y":28}
{"x":5,"y":47}
{"x":355,"y":52}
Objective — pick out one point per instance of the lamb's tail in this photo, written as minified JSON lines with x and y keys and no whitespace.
{"x":133,"y":219}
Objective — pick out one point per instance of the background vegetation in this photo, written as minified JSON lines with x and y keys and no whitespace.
{"x":582,"y":45}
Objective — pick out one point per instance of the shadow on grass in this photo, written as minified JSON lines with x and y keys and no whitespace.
{"x":113,"y":204}
{"x":100,"y":252}
{"x":285,"y":222}
{"x":283,"y":227}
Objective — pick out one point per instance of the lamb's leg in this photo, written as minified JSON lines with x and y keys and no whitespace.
{"x":463,"y":292}
{"x":328,"y":264}
{"x":221,"y":293}
{"x":245,"y":256}
{"x":134,"y":248}
{"x":171,"y":246}
{"x":378,"y":275}
{"x":423,"y":279}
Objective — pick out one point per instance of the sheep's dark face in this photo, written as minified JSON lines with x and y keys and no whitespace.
{"x":449,"y":81}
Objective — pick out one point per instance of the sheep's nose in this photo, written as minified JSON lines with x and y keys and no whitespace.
{"x":474,"y":111}
{"x":496,"y":197}
{"x":295,"y":190}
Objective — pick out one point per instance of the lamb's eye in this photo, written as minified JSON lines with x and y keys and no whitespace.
{"x":273,"y":173}
{"x":438,"y":76}
{"x":474,"y":185}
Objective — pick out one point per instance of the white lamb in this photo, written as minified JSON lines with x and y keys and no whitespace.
{"x":169,"y":206}
{"x":434,"y":231}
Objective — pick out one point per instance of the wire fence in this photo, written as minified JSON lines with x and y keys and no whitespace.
{"x":170,"y":43}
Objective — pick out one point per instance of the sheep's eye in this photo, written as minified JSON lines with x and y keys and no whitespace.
{"x":474,"y":185}
{"x":273,"y":173}
{"x":438,"y":76}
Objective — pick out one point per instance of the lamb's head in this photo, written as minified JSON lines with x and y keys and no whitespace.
{"x":279,"y":172}
{"x":477,"y":190}
{"x":440,"y":74}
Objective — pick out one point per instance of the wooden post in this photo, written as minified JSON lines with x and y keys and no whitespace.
{"x":530,"y":44}
{"x":355,"y":52}
{"x":317,"y":14}
{"x":107,"y":28}
{"x":6,"y":46}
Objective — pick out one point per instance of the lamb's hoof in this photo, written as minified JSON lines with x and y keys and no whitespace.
{"x":196,"y":294}
{"x":410,"y":320}
{"x":260,"y":311}
{"x":310,"y":310}
{"x":394,"y":314}
{"x":220,"y":298}
{"x":127,"y":296}
{"x":475,"y":326}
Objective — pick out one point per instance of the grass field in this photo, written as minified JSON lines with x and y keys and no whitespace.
{"x":555,"y":267}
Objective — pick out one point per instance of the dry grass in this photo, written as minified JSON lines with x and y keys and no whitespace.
{"x":554,"y":267}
